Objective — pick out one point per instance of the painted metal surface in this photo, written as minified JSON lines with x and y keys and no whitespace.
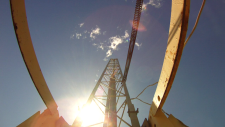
{"x":177,"y":34}
{"x":25,"y":44}
{"x":29,"y":122}
{"x":161,"y":120}
{"x":44,"y":119}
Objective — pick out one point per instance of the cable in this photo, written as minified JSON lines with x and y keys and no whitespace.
{"x":146,"y":88}
{"x":142,"y":92}
{"x":150,"y":105}
{"x":144,"y":101}
{"x":196,"y":23}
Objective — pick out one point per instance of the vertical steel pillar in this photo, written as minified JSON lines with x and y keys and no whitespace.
{"x":112,"y":121}
{"x":110,"y":111}
{"x":105,"y":124}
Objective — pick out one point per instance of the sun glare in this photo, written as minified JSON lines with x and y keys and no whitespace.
{"x":91,"y":115}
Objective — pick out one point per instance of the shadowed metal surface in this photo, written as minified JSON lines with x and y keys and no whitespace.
{"x":26,"y":47}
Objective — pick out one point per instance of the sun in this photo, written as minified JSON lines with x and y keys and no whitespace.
{"x":91,"y":115}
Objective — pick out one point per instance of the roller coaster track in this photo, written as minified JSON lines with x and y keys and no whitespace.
{"x":136,"y":20}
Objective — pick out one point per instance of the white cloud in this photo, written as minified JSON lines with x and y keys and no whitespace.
{"x":110,"y":45}
{"x":101,"y":47}
{"x":81,"y":24}
{"x":115,"y":41}
{"x":109,"y":53}
{"x":78,"y":35}
{"x":155,"y":3}
{"x":126,"y":35}
{"x":95,"y":32}
{"x":138,"y":45}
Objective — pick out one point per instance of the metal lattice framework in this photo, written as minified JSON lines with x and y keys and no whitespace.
{"x":115,"y":95}
{"x":136,"y":20}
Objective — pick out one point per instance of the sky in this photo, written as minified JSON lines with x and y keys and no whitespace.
{"x":74,"y":40}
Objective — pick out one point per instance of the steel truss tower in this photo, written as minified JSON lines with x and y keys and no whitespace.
{"x":115,"y":97}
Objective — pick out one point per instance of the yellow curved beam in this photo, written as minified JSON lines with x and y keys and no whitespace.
{"x":24,"y":40}
{"x":175,"y":45}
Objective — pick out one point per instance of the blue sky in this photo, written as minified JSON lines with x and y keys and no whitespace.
{"x":73,"y":40}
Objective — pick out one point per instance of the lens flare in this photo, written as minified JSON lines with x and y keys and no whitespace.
{"x":145,"y":8}
{"x":99,"y":92}
{"x":140,"y":28}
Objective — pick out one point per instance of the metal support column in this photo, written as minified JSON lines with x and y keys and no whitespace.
{"x":112,"y":121}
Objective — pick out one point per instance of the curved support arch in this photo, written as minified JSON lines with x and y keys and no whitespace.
{"x":21,"y":28}
{"x":175,"y":45}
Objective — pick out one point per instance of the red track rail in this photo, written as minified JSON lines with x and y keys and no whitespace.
{"x":137,"y":16}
